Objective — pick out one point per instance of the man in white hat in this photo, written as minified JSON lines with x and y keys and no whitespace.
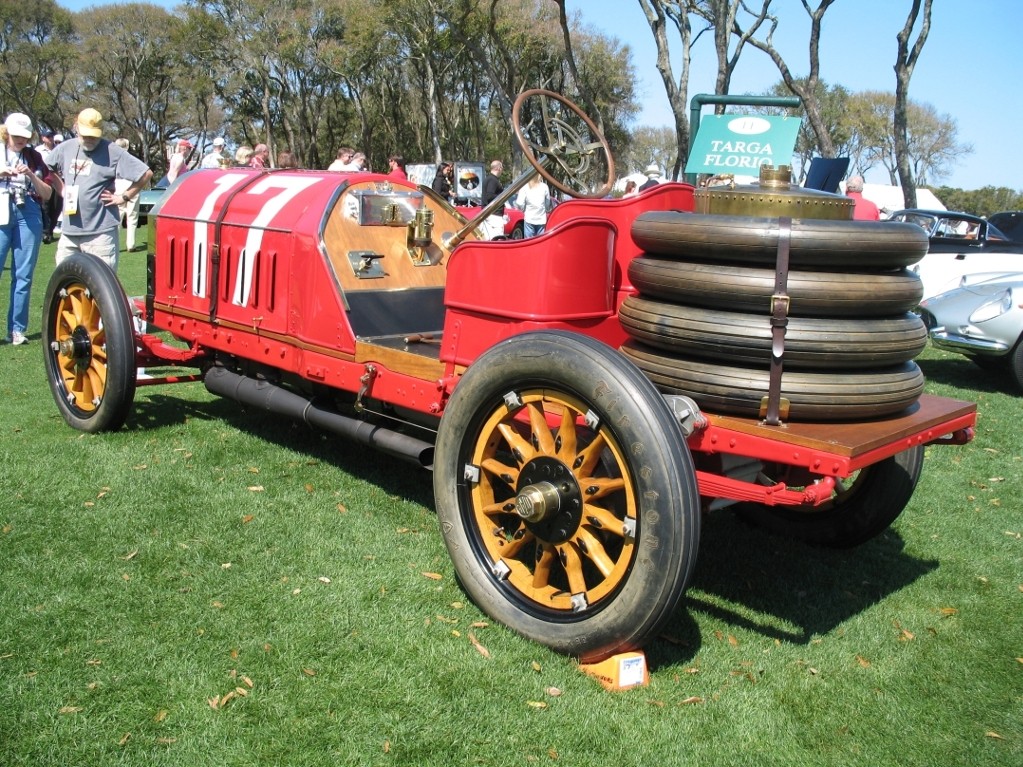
{"x":216,"y":157}
{"x":653,"y":177}
{"x":89,"y":165}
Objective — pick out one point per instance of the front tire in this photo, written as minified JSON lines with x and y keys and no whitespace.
{"x":89,"y":345}
{"x":566,"y":494}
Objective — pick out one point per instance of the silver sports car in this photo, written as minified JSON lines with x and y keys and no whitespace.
{"x":983,"y":319}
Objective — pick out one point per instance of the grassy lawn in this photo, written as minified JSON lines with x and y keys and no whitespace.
{"x":211,"y":586}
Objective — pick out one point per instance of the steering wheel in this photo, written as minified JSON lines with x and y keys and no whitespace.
{"x":564,"y":145}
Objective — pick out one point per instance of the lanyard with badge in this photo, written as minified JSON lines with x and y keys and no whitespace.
{"x":71,"y":190}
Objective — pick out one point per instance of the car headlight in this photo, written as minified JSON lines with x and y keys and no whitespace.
{"x":996,"y":307}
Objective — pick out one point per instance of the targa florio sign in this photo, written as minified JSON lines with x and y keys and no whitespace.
{"x":741,"y":144}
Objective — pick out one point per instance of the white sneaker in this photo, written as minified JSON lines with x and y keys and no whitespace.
{"x":18,"y":338}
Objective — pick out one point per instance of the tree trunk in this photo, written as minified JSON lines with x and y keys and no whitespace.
{"x":657,"y":12}
{"x":807,"y":89}
{"x":904,"y":64}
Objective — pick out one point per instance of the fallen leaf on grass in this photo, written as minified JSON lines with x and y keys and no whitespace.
{"x":433,"y":576}
{"x":479,"y":648}
{"x":255,"y":488}
{"x":733,"y":641}
{"x":309,"y":671}
{"x":863,"y":661}
{"x":253,"y":470}
{"x":160,"y":715}
{"x":993,"y":734}
{"x":554,"y":692}
{"x":7,"y":528}
{"x":387,"y":746}
{"x":70,"y":709}
{"x":342,"y":508}
{"x":947,"y":611}
{"x":166,"y":741}
{"x":536,"y":704}
{"x":692,"y":699}
{"x":124,"y":739}
{"x":308,"y":488}
{"x":906,"y":636}
{"x":130,"y":555}
{"x":248,"y":518}
{"x":537,"y":667}
{"x":323,"y":579}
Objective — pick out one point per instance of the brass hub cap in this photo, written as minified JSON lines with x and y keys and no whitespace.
{"x":549,"y":499}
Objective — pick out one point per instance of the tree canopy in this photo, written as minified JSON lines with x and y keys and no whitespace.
{"x":429,"y":79}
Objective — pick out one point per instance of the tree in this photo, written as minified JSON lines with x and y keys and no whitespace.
{"x":131,"y":72}
{"x":658,"y":14}
{"x":722,"y":16}
{"x":932,"y":147}
{"x":905,"y":62}
{"x":649,"y":145}
{"x":37,"y":51}
{"x":805,"y":88}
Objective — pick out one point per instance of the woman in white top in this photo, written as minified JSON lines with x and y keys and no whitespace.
{"x":534,"y":199}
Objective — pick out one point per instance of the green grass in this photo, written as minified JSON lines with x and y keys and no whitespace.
{"x":204,"y":549}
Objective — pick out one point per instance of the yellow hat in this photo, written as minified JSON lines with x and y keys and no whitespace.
{"x":90,"y":123}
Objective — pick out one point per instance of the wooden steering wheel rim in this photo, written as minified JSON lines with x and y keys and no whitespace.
{"x":528,"y":147}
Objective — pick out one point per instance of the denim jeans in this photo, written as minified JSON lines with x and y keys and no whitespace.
{"x":21,"y":236}
{"x":532,"y":230}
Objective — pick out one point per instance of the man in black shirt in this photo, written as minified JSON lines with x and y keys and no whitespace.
{"x":492,"y":185}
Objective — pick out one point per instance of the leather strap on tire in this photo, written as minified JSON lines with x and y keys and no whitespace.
{"x":774,"y":407}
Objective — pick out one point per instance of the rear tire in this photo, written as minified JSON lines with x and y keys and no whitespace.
{"x":561,"y":425}
{"x":859,"y":510}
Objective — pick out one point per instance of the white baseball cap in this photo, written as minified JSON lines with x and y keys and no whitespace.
{"x":218,"y":141}
{"x":19,"y":124}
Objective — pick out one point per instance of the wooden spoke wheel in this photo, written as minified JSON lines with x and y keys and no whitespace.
{"x":550,"y":454}
{"x":861,"y":506}
{"x":578,"y":158}
{"x":90,"y":345}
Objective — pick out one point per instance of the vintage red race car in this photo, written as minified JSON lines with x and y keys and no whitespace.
{"x":581,"y":397}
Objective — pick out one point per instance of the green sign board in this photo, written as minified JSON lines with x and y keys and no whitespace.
{"x":740,"y":144}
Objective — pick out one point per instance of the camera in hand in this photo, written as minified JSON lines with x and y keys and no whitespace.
{"x":19,"y":195}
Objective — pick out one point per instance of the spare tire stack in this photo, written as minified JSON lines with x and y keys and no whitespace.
{"x":708,"y":285}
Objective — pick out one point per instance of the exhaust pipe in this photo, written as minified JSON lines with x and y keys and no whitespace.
{"x":275,"y":399}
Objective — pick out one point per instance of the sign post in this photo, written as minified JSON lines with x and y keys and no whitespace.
{"x":697,"y":128}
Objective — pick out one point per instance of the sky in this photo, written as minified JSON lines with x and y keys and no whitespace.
{"x":967,"y":70}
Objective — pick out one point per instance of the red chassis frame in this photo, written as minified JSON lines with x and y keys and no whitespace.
{"x":247,"y":270}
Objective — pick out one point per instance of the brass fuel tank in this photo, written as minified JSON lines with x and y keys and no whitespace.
{"x":775,"y":195}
